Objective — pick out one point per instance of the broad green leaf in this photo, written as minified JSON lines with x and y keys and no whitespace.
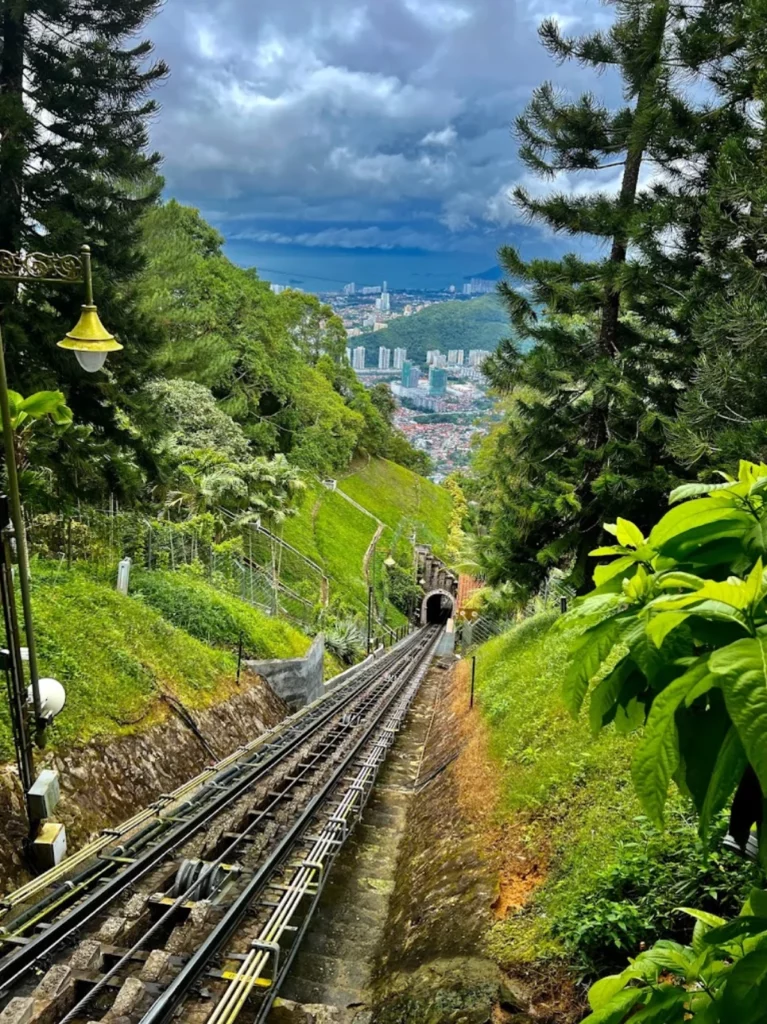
{"x":628,"y":534}
{"x":606,"y":693}
{"x":659,"y":626}
{"x":742,"y":667}
{"x":708,"y":682}
{"x":691,"y":491}
{"x":618,"y":1007}
{"x":587,"y":657}
{"x":744,"y":927}
{"x":686,"y":527}
{"x":685,"y":580}
{"x":757,"y":903}
{"x":666,"y":1005}
{"x":602,"y":991}
{"x":43,"y":403}
{"x":745,"y":994}
{"x":657,"y":757}
{"x":711,"y":920}
{"x":603,"y":573}
{"x":727,"y":773}
{"x":610,"y":549}
{"x":630,"y":716}
{"x":756,"y":538}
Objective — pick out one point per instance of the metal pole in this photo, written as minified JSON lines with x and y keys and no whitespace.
{"x":17,"y":518}
{"x":12,"y":663}
{"x":473,"y":673}
{"x":239,"y":658}
{"x":563,"y":604}
{"x":370,"y":615}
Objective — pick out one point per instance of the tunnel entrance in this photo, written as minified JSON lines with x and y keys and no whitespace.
{"x":437,"y":608}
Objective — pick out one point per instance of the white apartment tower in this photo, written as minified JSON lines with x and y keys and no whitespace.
{"x":400,"y":355}
{"x":358,"y":362}
{"x":384,"y":358}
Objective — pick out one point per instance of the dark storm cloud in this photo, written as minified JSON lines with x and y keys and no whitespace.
{"x":352,"y":123}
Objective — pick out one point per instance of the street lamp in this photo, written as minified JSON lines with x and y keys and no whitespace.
{"x":90,"y":342}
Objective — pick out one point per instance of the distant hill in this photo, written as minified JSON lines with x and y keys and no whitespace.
{"x":474,"y":323}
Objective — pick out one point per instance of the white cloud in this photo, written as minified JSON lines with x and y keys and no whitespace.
{"x":438,"y":14}
{"x":445,"y":137}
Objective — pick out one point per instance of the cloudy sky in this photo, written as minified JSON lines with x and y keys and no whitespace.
{"x":349,"y":139}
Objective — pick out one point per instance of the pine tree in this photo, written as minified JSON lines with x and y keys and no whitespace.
{"x":74,"y":167}
{"x":722,"y":414}
{"x":584,"y":439}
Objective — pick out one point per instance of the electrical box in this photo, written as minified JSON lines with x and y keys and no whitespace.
{"x":50,"y":847}
{"x":44,"y":794}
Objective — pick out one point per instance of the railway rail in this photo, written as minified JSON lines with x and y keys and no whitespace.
{"x":196,"y":906}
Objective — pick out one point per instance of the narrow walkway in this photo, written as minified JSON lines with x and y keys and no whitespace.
{"x":331,"y":976}
{"x":371,"y":551}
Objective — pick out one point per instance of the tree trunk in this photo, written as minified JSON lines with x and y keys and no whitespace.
{"x":635,"y":152}
{"x":14,"y":122}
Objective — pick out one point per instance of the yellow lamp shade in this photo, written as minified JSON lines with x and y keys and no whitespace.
{"x":90,"y":335}
{"x":90,"y":340}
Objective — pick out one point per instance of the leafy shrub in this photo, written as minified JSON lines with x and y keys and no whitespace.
{"x":345,"y":640}
{"x":216,"y":617}
{"x":677,"y":637}
{"x":720,"y":978}
{"x":638,"y":898}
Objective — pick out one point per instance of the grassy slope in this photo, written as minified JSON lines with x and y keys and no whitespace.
{"x":334,"y":534}
{"x":570,"y":795}
{"x":402,"y":499}
{"x":116,"y":655}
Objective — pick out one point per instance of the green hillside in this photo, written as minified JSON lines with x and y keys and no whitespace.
{"x":567,"y":799}
{"x":333,"y":533}
{"x":402,"y":500}
{"x":468,"y":323}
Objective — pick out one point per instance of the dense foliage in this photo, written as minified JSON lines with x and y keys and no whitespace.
{"x":675,"y":640}
{"x":644,"y":360}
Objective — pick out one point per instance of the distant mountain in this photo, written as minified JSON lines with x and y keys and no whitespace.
{"x":467,"y":324}
{"x":492,"y":274}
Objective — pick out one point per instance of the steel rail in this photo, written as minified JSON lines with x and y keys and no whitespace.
{"x":14,"y":966}
{"x":310,"y":877}
{"x":197,"y":965}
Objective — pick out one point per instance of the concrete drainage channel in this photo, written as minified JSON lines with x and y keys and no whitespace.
{"x":198,"y":908}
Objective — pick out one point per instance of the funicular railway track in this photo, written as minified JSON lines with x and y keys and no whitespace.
{"x":196,"y":906}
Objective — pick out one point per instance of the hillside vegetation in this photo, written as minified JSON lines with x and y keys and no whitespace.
{"x":599,"y":879}
{"x":467,"y":323}
{"x":336,"y":535}
{"x":115,"y":657}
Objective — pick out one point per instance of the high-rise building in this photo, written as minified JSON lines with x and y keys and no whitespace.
{"x":378,"y":303}
{"x":350,"y":289}
{"x":467,"y":289}
{"x":452,"y":357}
{"x":277,"y":288}
{"x":477,"y":356}
{"x":437,"y":381}
{"x":358,"y":362}
{"x":348,"y":355}
{"x":431,"y":355}
{"x":385,"y":302}
{"x":385,"y":287}
{"x":439,"y":359}
{"x":384,"y":358}
{"x":400,"y":355}
{"x":410,"y":375}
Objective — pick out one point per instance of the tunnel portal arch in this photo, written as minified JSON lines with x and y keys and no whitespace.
{"x":437,"y":607}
